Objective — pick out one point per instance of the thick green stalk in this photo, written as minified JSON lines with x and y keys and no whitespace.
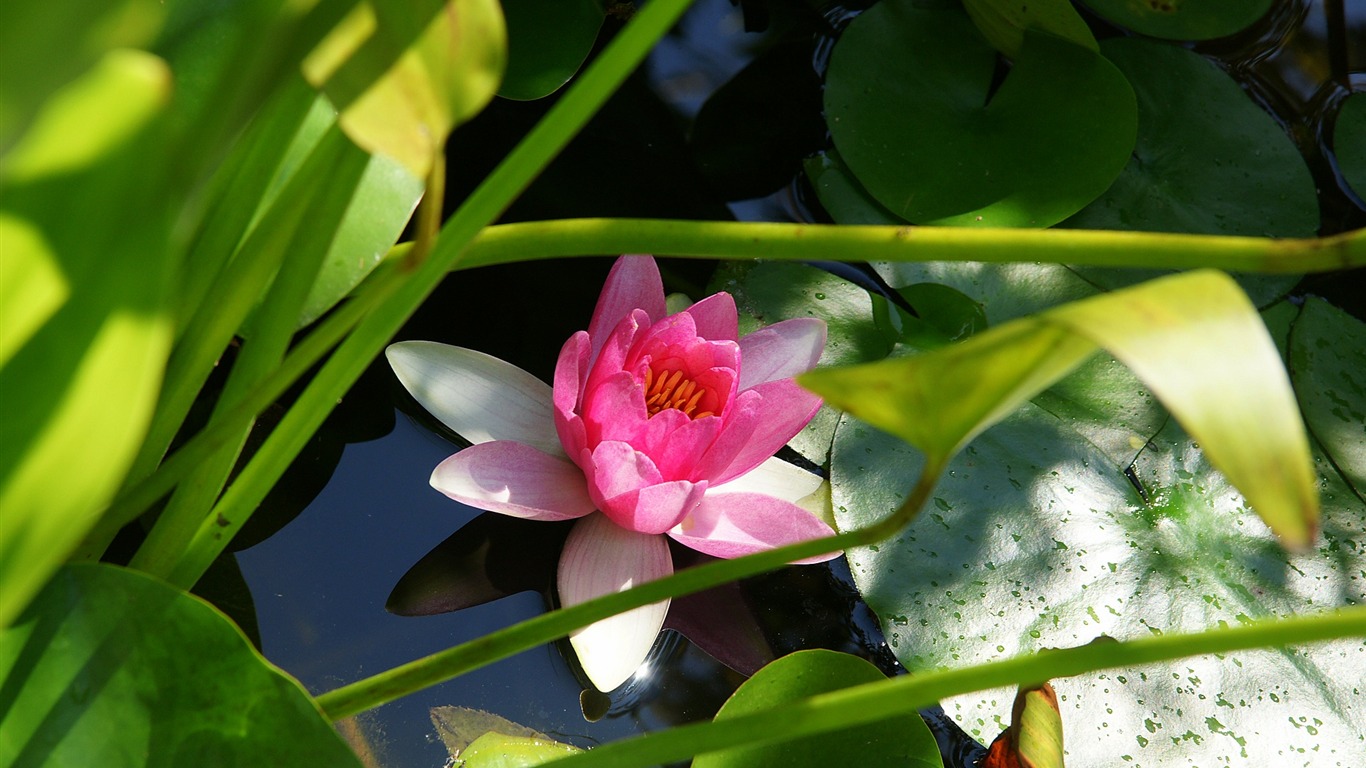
{"x":870,"y":702}
{"x":487,"y":202}
{"x":815,"y":242}
{"x":548,"y":627}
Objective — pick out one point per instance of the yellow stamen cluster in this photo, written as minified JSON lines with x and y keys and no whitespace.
{"x":671,"y":390}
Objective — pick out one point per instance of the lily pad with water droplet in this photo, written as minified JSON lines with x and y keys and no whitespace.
{"x":1037,"y":537}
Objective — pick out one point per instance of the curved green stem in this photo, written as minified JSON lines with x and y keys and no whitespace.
{"x":815,"y":242}
{"x":902,"y":695}
{"x":548,"y":627}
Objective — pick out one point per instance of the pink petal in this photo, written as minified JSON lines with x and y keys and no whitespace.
{"x":601,"y":558}
{"x":781,"y":351}
{"x":633,"y":283}
{"x":715,"y":317}
{"x":615,"y":411}
{"x":734,"y":524}
{"x":478,"y":396}
{"x":760,"y":422}
{"x":616,"y":352}
{"x":654,"y":508}
{"x":571,"y":369}
{"x":514,"y":479}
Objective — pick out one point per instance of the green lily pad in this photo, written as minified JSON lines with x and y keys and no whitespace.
{"x":909,"y":105}
{"x":1349,"y":141}
{"x":842,"y":196}
{"x":111,"y":663}
{"x":1328,"y":366}
{"x":1035,"y":538}
{"x":1208,"y":161}
{"x":900,"y":741}
{"x":548,"y":41}
{"x":1182,"y":19}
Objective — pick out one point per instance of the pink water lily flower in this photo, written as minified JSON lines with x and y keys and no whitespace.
{"x":657,"y":425}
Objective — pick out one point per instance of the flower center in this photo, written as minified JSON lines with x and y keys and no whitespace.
{"x":668,"y":389}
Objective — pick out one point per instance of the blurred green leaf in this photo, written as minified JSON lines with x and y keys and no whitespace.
{"x":1182,"y":19}
{"x":898,"y":741}
{"x":1003,"y":22}
{"x":49,"y":44}
{"x":1349,"y":141}
{"x":404,"y":73}
{"x":548,"y":41}
{"x":82,"y":371}
{"x":87,"y":678}
{"x":910,"y":106}
{"x":1225,"y":383}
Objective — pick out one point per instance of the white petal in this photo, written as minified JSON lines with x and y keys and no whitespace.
{"x":776,"y":478}
{"x":478,"y":396}
{"x":600,"y":558}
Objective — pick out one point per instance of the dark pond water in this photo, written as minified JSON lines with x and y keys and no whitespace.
{"x":320,"y":583}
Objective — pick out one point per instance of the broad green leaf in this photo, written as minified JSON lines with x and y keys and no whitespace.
{"x":1208,"y":161}
{"x":900,"y":741}
{"x":112,"y":665}
{"x":548,"y":41}
{"x":404,"y":74}
{"x":494,"y":750}
{"x":1005,"y":291}
{"x":907,"y":105}
{"x":1328,"y":365}
{"x":1182,"y":19}
{"x":1003,"y":22}
{"x":1034,"y":538}
{"x":47,"y":45}
{"x":1193,"y":339}
{"x":99,"y":110}
{"x":32,"y":286}
{"x":1349,"y":141}
{"x":80,"y":390}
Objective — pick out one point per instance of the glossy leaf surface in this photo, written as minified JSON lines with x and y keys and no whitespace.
{"x":910,"y":107}
{"x":548,"y":41}
{"x":1003,"y":22}
{"x":1208,"y":159}
{"x":85,"y":676}
{"x":899,"y":741}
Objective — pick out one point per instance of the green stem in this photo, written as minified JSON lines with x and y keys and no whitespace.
{"x":548,"y":627}
{"x":814,"y":242}
{"x":870,"y":702}
{"x":484,"y":205}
